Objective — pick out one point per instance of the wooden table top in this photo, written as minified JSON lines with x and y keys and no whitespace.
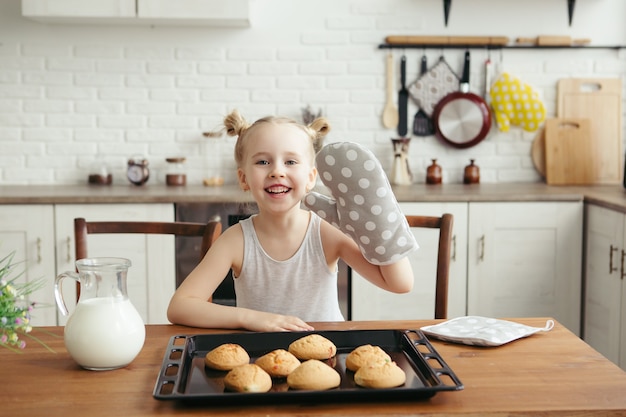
{"x":552,"y":373}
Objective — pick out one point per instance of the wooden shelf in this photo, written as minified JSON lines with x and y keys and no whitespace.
{"x":491,"y":47}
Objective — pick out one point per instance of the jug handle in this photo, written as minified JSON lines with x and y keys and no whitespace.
{"x":58,"y":294}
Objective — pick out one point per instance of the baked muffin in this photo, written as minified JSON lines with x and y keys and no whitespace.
{"x":248,"y":378}
{"x":366,"y":355}
{"x":386,"y":375}
{"x":226,"y":356}
{"x":313,"y":374}
{"x":278,"y":363}
{"x":313,"y":346}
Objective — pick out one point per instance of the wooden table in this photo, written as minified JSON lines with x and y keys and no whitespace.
{"x":553,"y":373}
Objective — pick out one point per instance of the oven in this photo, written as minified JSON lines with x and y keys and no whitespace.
{"x":187,"y":248}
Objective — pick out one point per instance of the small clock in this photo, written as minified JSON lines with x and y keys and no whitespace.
{"x":138,"y":172}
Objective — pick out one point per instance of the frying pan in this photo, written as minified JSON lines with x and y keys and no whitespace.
{"x":462,"y":119}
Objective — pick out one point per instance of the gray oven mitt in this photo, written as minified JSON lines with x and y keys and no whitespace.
{"x":362,"y":205}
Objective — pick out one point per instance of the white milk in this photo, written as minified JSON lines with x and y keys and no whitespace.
{"x":104,"y":333}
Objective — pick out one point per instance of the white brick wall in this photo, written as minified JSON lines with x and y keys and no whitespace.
{"x":68,"y":92}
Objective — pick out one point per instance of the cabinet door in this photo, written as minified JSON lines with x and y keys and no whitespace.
{"x":372,"y":303}
{"x":78,"y":8}
{"x":29,"y":231}
{"x":524,"y":259}
{"x":233,"y":13}
{"x":603,"y":282}
{"x":152,"y":275}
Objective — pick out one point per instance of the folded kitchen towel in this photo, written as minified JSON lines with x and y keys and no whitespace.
{"x":482,"y":331}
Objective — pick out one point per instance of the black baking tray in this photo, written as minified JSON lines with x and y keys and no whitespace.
{"x":184,"y":377}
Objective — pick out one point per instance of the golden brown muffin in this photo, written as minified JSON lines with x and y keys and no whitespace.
{"x":386,"y":375}
{"x":227,"y":356}
{"x":313,"y":346}
{"x":366,"y":355}
{"x":313,"y":374}
{"x":248,"y":378}
{"x":278,"y":363}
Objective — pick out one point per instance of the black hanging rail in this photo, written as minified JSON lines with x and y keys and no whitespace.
{"x":494,"y":47}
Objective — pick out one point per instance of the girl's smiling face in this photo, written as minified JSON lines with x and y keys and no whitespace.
{"x":278,"y":166}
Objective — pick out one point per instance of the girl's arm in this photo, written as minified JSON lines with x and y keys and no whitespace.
{"x":396,"y":277}
{"x":190,"y":306}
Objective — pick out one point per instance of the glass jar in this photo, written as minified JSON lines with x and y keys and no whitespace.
{"x":176,"y":171}
{"x":99,"y":172}
{"x":214,"y":154}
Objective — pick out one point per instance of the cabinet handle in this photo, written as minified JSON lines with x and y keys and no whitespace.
{"x":453,"y":257}
{"x":38,"y":250}
{"x":69,"y":249}
{"x":611,"y":268}
{"x":622,"y":266}
{"x":481,"y":257}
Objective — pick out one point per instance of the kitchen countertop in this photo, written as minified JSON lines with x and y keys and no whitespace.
{"x":610,"y":196}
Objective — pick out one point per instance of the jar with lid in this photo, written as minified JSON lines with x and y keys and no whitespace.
{"x":176,"y":171}
{"x":471,"y":174}
{"x":434,"y":173}
{"x":214,"y":154}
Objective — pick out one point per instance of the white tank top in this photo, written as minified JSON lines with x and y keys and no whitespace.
{"x":301,"y":286}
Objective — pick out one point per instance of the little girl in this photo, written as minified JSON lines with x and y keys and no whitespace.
{"x":283,"y":259}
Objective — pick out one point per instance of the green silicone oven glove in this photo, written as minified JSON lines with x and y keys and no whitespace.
{"x":362,"y":205}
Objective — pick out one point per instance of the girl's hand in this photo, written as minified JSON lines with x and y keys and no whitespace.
{"x":270,"y":322}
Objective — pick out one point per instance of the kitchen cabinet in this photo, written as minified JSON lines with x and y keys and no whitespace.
{"x":372,"y":303}
{"x":152,"y":275}
{"x":29,"y":231}
{"x":524,"y":259}
{"x":605,"y":289}
{"x":228,"y":13}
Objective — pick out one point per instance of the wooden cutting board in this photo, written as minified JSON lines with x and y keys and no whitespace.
{"x":569,"y":151}
{"x":600,"y":101}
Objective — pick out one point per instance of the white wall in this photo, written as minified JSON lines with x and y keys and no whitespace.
{"x":68,"y":92}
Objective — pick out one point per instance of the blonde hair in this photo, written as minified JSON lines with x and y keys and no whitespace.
{"x":236,"y":125}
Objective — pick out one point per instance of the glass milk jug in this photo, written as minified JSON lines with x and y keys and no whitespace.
{"x":105,"y":331}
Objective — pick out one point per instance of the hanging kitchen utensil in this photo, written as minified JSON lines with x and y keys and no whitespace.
{"x":422,"y":124}
{"x":403,"y":101}
{"x":516,"y":103}
{"x":488,"y":78}
{"x":431,"y":87}
{"x":462,"y":119}
{"x":390,"y":112}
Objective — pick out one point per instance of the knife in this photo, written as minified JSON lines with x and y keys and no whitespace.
{"x":403,"y":100}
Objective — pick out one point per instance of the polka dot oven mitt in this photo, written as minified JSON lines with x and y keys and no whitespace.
{"x":363,"y":205}
{"x":516,"y":103}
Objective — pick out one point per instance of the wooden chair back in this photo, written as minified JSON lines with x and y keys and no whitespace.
{"x":444,"y":224}
{"x":208,"y":231}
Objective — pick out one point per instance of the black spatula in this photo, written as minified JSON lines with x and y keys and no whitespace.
{"x":422,"y":124}
{"x":403,"y":101}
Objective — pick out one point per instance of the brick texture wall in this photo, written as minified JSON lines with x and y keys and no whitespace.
{"x":71,"y":92}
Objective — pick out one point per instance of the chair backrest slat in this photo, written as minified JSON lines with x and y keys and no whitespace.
{"x":445,"y":225}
